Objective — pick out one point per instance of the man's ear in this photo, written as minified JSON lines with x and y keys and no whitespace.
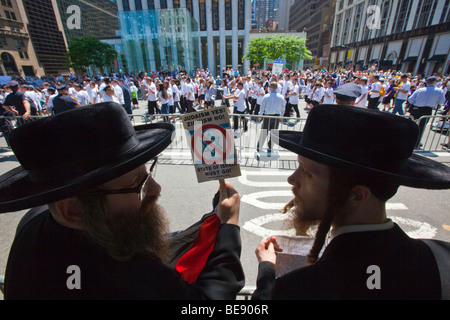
{"x":70,"y":210}
{"x":359,"y":195}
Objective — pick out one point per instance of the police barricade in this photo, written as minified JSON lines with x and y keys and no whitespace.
{"x":435,"y":133}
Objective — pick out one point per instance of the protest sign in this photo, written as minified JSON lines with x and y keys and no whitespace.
{"x":212,"y":144}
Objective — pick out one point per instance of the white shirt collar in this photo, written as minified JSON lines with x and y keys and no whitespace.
{"x":360,"y":228}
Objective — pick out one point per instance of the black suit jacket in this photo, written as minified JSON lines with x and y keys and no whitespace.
{"x":43,"y":250}
{"x":407,"y":270}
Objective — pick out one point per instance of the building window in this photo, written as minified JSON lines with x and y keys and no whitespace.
{"x":176,"y":4}
{"x":202,"y":14}
{"x":385,"y":10}
{"x":151,"y":4}
{"x":403,"y":9}
{"x":189,"y":6}
{"x":228,"y":15}
{"x":357,"y":22}
{"x":138,"y":4}
{"x":423,"y":14}
{"x":126,"y":5}
{"x":337,"y":31}
{"x":241,"y":14}
{"x":348,"y":15}
{"x":215,"y":14}
{"x":163,"y":4}
{"x":3,"y":41}
{"x":7,"y":15}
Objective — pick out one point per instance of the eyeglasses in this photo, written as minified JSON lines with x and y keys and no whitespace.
{"x":141,"y":188}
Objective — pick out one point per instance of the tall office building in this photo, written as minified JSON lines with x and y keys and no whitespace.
{"x":406,"y":35}
{"x":316,"y":19}
{"x":166,"y":34}
{"x":92,"y":18}
{"x":45,"y":29}
{"x":17,"y":56}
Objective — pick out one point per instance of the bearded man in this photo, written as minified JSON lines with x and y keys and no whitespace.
{"x":96,"y":230}
{"x":344,"y":178}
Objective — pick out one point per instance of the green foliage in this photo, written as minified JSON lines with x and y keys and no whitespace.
{"x":89,"y":51}
{"x":291,"y":47}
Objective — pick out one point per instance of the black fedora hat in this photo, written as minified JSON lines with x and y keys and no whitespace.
{"x":366,"y":142}
{"x":68,"y":153}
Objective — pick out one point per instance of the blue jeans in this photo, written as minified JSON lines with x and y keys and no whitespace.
{"x":398,"y":106}
{"x":165,"y":110}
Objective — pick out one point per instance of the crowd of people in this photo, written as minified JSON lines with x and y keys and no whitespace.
{"x":180,"y":92}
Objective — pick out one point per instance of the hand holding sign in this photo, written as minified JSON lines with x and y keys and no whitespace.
{"x":229,"y":203}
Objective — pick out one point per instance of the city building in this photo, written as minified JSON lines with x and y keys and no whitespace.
{"x":92,"y":18}
{"x":316,"y":19}
{"x":44,"y":25}
{"x":406,"y":35}
{"x":209,"y":34}
{"x":17,"y":54}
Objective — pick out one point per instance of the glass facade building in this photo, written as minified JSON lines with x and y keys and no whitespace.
{"x":159,"y":39}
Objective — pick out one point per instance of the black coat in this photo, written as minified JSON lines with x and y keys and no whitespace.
{"x":43,"y":250}
{"x":407,"y":270}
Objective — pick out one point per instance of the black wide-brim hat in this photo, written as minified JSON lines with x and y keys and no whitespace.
{"x":367,"y":143}
{"x":66,"y":154}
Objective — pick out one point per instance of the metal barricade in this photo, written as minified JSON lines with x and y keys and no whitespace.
{"x":436,"y":131}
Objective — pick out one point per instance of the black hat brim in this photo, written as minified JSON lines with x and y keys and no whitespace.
{"x":417,"y":172}
{"x":18,"y":191}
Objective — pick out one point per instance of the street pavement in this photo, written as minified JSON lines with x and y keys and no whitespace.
{"x":264,"y":190}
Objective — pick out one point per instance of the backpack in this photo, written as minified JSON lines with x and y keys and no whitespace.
{"x":382,"y":91}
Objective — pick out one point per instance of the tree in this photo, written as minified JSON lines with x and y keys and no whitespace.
{"x":291,"y":47}
{"x":88,"y":51}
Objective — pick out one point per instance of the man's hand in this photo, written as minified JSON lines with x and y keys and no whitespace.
{"x":266,"y":250}
{"x":229,"y":203}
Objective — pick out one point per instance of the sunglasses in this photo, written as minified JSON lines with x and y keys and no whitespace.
{"x":141,"y":188}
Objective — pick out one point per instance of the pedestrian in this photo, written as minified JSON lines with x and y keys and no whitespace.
{"x":176,"y":97}
{"x":328,"y":95}
{"x":374,"y":92}
{"x":127,"y":97}
{"x":402,"y":94}
{"x":109,"y":94}
{"x":163,"y":98}
{"x":152,"y":107}
{"x":82,"y":95}
{"x":134,"y":94}
{"x":389,"y":96}
{"x":190,"y":95}
{"x":362,"y":100}
{"x":210,"y":93}
{"x":97,"y":230}
{"x":63,"y":101}
{"x":17,"y":103}
{"x":239,"y":108}
{"x":345,"y":186}
{"x":293,"y":99}
{"x":423,"y":101}
{"x":273,"y":104}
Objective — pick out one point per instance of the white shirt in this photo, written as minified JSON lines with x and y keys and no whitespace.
{"x":363,"y":101}
{"x":83,"y":98}
{"x":318,"y":94}
{"x":376,"y":86}
{"x":118,"y":92}
{"x":405,"y":86}
{"x":166,"y":100}
{"x":273,"y":103}
{"x":330,"y":100}
{"x":151,"y":95}
{"x":260,"y":95}
{"x":190,"y":91}
{"x":294,"y":98}
{"x":175,"y":93}
{"x":107,"y":98}
{"x":239,"y":102}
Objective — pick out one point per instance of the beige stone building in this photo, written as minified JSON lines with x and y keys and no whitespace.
{"x":17,"y":56}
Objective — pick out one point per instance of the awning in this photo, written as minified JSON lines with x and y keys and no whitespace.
{"x":386,"y":62}
{"x":409,"y":59}
{"x":437,"y":58}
